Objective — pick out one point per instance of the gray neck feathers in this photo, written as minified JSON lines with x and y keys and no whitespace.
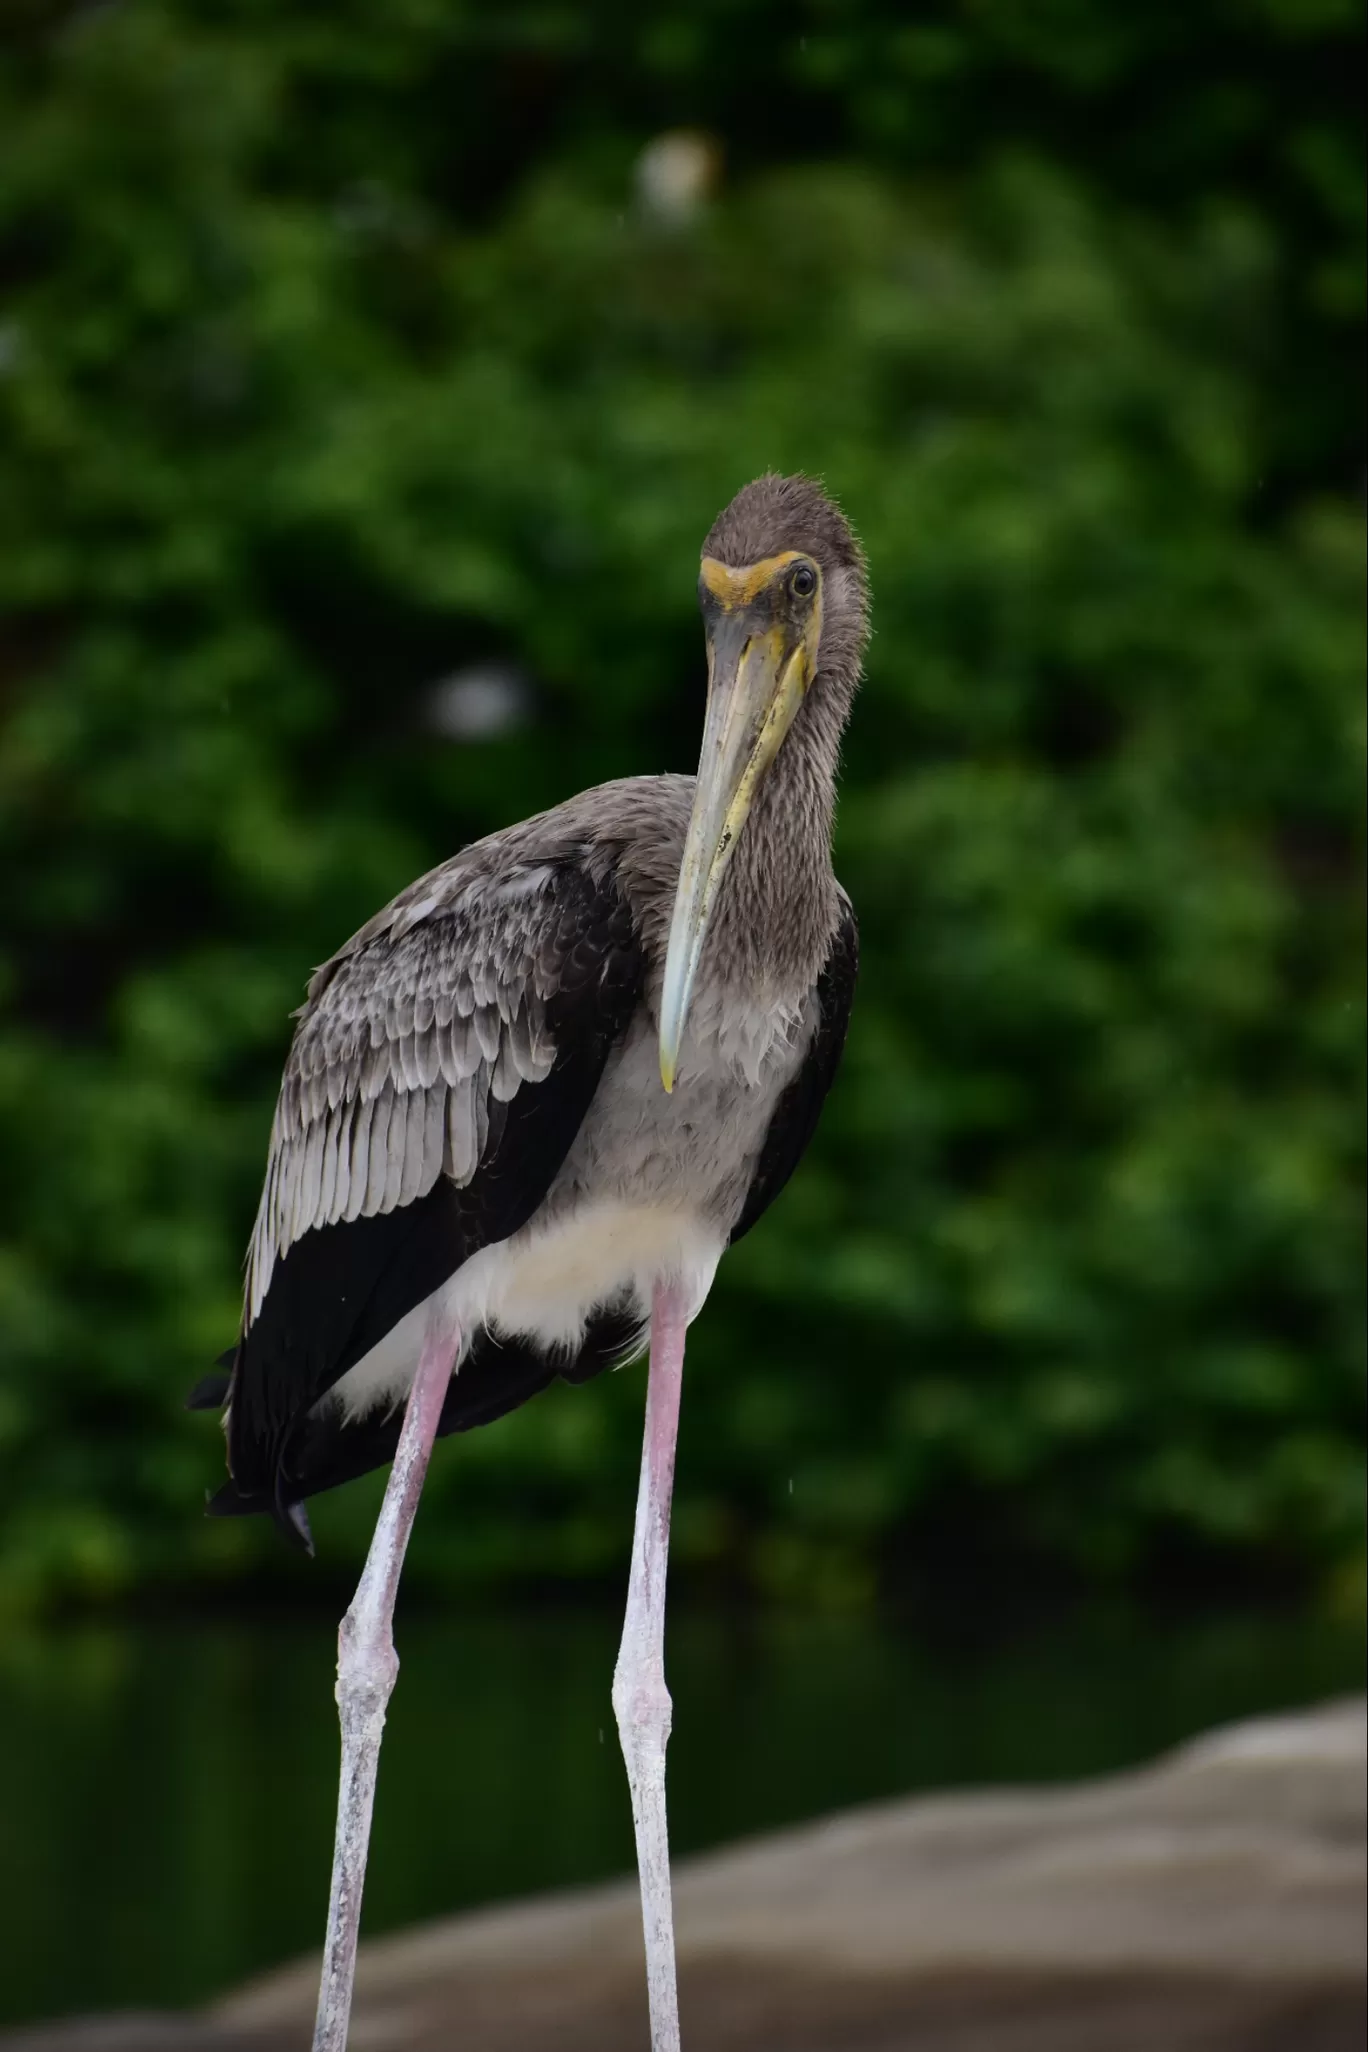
{"x":777,"y":908}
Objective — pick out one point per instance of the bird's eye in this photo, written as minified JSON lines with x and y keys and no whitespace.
{"x":803,"y":582}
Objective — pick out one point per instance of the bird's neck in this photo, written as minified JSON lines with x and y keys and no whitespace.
{"x":777,"y":909}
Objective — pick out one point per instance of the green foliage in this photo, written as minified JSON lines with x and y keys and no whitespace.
{"x":341,"y":352}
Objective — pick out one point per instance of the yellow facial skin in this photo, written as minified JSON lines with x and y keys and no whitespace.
{"x":763,"y":636}
{"x":732,"y":588}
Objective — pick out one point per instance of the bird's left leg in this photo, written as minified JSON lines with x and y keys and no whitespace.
{"x":366,"y":1669}
{"x":641,"y":1700}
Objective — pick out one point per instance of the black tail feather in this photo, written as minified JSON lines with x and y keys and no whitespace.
{"x":292,"y":1520}
{"x":210,"y":1393}
{"x":328,"y":1449}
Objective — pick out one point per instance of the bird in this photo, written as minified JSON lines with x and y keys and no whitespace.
{"x":526,"y":1110}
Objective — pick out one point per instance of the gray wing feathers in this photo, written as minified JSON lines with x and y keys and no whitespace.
{"x":408,"y":1034}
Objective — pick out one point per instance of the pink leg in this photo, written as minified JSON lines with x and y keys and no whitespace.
{"x":641,"y":1700}
{"x":366,"y":1669}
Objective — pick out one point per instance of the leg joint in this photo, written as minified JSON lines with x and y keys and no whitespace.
{"x":367,"y":1665}
{"x":641,"y":1703}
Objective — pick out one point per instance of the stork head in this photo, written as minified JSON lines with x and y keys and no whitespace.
{"x":786,"y":613}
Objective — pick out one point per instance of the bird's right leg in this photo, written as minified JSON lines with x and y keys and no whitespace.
{"x":366,"y":1668}
{"x":641,"y":1700}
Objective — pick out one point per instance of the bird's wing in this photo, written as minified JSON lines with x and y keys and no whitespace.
{"x":441,"y":1067}
{"x":795,"y":1116}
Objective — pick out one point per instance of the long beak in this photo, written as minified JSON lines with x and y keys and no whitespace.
{"x":756,"y":680}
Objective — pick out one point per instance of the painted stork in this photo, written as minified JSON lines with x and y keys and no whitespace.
{"x":526,"y":1110}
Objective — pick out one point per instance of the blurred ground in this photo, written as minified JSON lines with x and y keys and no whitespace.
{"x":1212,"y":1903}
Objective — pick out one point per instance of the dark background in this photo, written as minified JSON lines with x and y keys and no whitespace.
{"x":347,"y":351}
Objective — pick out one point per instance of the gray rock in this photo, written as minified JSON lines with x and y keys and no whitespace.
{"x":132,"y":2031}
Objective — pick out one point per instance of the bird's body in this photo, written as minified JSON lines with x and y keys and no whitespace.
{"x":527,"y":1108}
{"x":650,"y":1184}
